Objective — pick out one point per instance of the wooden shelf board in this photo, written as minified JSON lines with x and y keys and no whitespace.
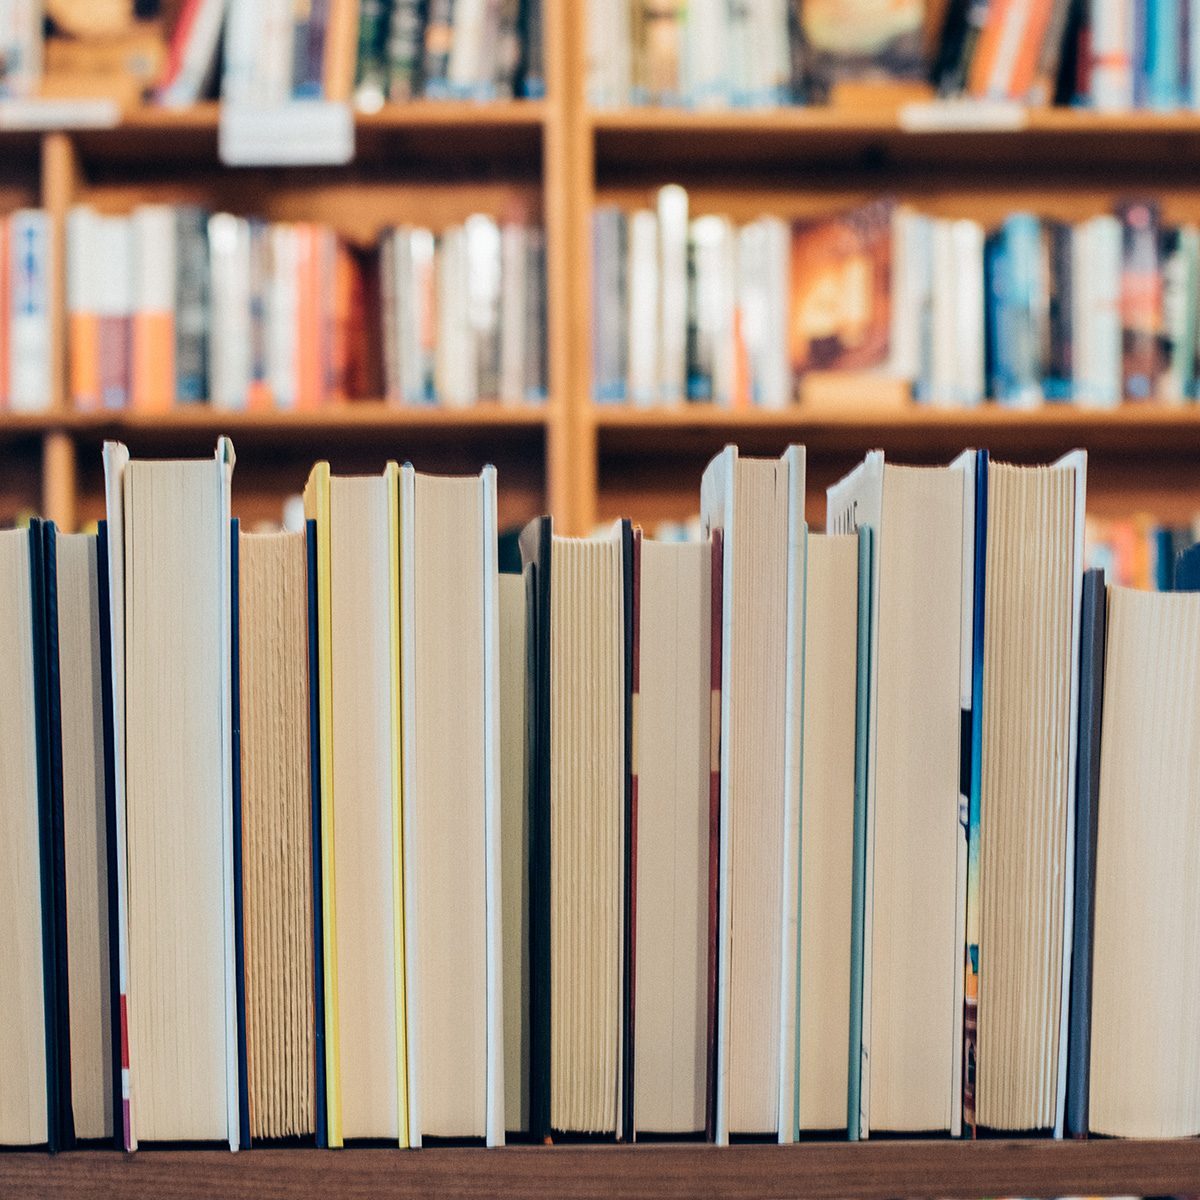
{"x":686,"y":141}
{"x":866,"y":1170}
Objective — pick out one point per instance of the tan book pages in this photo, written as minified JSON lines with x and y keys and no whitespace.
{"x":23,"y":1118}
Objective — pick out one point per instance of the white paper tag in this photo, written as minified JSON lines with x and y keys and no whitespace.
{"x":299,"y":133}
{"x":949,"y":116}
{"x":59,"y":114}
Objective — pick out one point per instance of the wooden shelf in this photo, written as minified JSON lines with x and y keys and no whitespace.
{"x":691,"y":141}
{"x":817,"y":1170}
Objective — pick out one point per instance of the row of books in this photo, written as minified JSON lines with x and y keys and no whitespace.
{"x":174,"y":305}
{"x":1038,"y":310}
{"x":881,"y":830}
{"x":1138,"y":552}
{"x":707,"y":54}
{"x":267,"y":52}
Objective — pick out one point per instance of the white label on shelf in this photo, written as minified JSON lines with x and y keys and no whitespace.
{"x":938,"y":116}
{"x":299,"y":133}
{"x":38,"y":114}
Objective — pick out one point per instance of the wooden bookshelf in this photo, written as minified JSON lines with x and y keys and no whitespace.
{"x":869,"y":1170}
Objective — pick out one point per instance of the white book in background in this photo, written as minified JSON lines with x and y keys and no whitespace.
{"x":198,"y":62}
{"x":1192,"y":83}
{"x":1082,"y":334}
{"x":905,"y":337}
{"x":943,"y":316}
{"x":673,"y":718}
{"x":483,"y":302}
{"x":751,"y":502}
{"x":152,"y":305}
{"x":466,"y":71}
{"x":81,"y":693}
{"x":22,"y":33}
{"x":276,"y":50}
{"x":1111,"y":46}
{"x":968,"y":381}
{"x":673,"y":293}
{"x":827,"y":796}
{"x":241,"y":69}
{"x":610,"y":58}
{"x":769,"y":60}
{"x":24,"y":1111}
{"x":448,"y":639}
{"x":706,"y":62}
{"x":712,"y":248}
{"x":115,"y":246}
{"x":762,"y":270}
{"x":30,"y":267}
{"x":387,"y":304}
{"x":170,"y":529}
{"x":229,"y":350}
{"x":283,"y":298}
{"x":913,"y":924}
{"x":514,"y":270}
{"x":642,"y":294}
{"x":456,"y":362}
{"x":1102,"y":245}
{"x":85,"y":281}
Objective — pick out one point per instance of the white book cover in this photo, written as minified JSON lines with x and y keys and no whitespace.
{"x":199,"y":61}
{"x":513,"y":271}
{"x":245,"y":34}
{"x":467,"y":52}
{"x":23,"y":48}
{"x":643,"y":289}
{"x":154,"y":269}
{"x":966,"y":239}
{"x":1104,"y":325}
{"x":944,"y":317}
{"x":775,"y":378}
{"x":1112,"y":42}
{"x":229,"y":350}
{"x":456,"y":373}
{"x":673,"y":293}
{"x":706,"y":62}
{"x":31,"y":264}
{"x":283,"y":332}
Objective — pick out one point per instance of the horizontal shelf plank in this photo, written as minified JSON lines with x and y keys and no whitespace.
{"x":699,"y":141}
{"x":817,"y":1170}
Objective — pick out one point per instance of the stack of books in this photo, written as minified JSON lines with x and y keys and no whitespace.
{"x":1038,"y":310}
{"x":343,"y":835}
{"x":707,"y":54}
{"x":174,"y":305}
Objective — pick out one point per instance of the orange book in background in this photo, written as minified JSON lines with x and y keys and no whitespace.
{"x":5,"y":307}
{"x":341,"y":45}
{"x":1029,"y":50}
{"x":153,"y":353}
{"x":741,"y":365}
{"x":987,"y":49}
{"x":83,"y":317}
{"x":341,"y":330}
{"x":308,"y":316}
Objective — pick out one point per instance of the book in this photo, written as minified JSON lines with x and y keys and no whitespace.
{"x":830,"y":719}
{"x":152,"y":352}
{"x":921,"y":654}
{"x":756,"y":505}
{"x":168,"y":526}
{"x":29,"y":1096}
{"x":858,"y":41}
{"x":449,"y":699}
{"x":840,"y":290}
{"x":1141,"y":298}
{"x":1031,"y":592}
{"x":673,"y":740}
{"x":581,"y":830}
{"x":1093,"y":628}
{"x":1138,"y":1084}
{"x":361,"y":806}
{"x":31,"y":264}
{"x":277,"y":833}
{"x":192,"y":53}
{"x":84,"y":282}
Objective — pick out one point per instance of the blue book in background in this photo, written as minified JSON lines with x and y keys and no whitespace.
{"x":1187,"y":571}
{"x":1163,"y":53}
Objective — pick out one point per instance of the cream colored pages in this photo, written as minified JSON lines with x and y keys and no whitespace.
{"x":672,"y":715}
{"x":446,"y":805}
{"x":362,"y":791}
{"x":23,"y":1031}
{"x":587,"y":761}
{"x":1024,"y":791}
{"x":756,"y":792}
{"x":1145,"y":956}
{"x":514,"y":849}
{"x":916,"y":944}
{"x":84,"y":836}
{"x":276,"y":833}
{"x":827,"y":829}
{"x":174,"y":801}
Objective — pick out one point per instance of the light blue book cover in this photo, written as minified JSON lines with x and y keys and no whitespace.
{"x":1162,"y":54}
{"x":862,"y":727}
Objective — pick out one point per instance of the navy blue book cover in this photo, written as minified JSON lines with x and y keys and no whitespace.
{"x":239,"y":904}
{"x":110,"y":821}
{"x":1093,"y":626}
{"x":314,"y":765}
{"x":1187,"y":571}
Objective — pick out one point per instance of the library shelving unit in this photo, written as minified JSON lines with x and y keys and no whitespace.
{"x":437,"y":162}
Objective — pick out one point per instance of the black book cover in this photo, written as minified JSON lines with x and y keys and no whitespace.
{"x":314,"y":769}
{"x":110,"y":826}
{"x":1093,"y":625}
{"x":239,"y":903}
{"x":629,"y":596}
{"x":44,"y":598}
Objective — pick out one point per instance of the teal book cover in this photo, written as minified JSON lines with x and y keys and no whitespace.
{"x":858,"y":893}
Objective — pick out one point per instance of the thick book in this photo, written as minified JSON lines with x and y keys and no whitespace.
{"x":757,"y":506}
{"x":581,"y":831}
{"x":169,"y":547}
{"x":449,"y":626}
{"x":362,"y":817}
{"x":1141,"y":1057}
{"x":1093,"y":625}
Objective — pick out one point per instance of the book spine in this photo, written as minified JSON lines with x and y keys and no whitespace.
{"x":406,"y":29}
{"x":258,"y":390}
{"x":308,"y":56}
{"x":483,"y":251}
{"x":282,"y":324}
{"x":29,"y":337}
{"x":1111,"y":56}
{"x":83,"y":329}
{"x":514,"y":260}
{"x":1139,"y":43}
{"x":6,"y":308}
{"x":607,"y":385}
{"x":673,"y":293}
{"x":191,"y":306}
{"x":116,"y":311}
{"x":337,"y":77}
{"x":536,"y":366}
{"x":1141,"y":299}
{"x":1162,"y":54}
{"x":155,"y":270}
{"x":643,"y":309}
{"x":229,"y":343}
{"x":422,"y":281}
{"x":706,"y":39}
{"x":241,"y":77}
{"x":1106,"y":324}
{"x":1058,"y":357}
{"x":532,"y":37}
{"x":439,"y":42}
{"x":968,"y":378}
{"x":658,"y":75}
{"x":1045,"y":81}
{"x":371,"y":74}
{"x":716,"y":642}
{"x":465,"y":71}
